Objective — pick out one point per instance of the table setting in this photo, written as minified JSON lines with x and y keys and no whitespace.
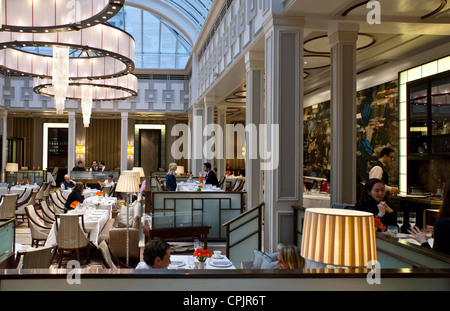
{"x":20,"y":188}
{"x":214,"y":261}
{"x":101,"y":202}
{"x":88,"y":192}
{"x":196,"y":186}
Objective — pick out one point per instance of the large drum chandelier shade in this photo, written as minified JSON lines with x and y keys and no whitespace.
{"x":56,"y":15}
{"x":120,"y":88}
{"x":114,"y":47}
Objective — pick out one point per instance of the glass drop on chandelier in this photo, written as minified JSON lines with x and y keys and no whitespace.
{"x":60,"y":76}
{"x":86,"y":103}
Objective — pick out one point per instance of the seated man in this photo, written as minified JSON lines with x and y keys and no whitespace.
{"x":79,"y":167}
{"x":102,"y":166}
{"x":94,"y":167}
{"x":156,"y":256}
{"x":67,"y":183}
{"x":210,"y":176}
{"x":109,"y":181}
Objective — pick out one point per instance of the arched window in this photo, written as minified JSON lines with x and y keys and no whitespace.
{"x":158,"y":44}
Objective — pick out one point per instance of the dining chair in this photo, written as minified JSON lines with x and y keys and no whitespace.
{"x":109,"y":261}
{"x":39,"y":230}
{"x":40,"y":193}
{"x":106,"y":190}
{"x":58,"y":206}
{"x":47,"y":192}
{"x":47,"y":214}
{"x":71,"y":236}
{"x":35,"y":258}
{"x":20,"y":209}
{"x":160,"y":183}
{"x":236,"y":185}
{"x":60,"y":196}
{"x":221,"y":181}
{"x":25,"y":196}
{"x":8,"y":206}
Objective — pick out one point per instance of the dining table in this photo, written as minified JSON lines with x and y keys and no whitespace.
{"x":94,"y":221}
{"x":19,"y":189}
{"x":100,"y":202}
{"x":193,"y":186}
{"x":88,"y":192}
{"x":188,"y":262}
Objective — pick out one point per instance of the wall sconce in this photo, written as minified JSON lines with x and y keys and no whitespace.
{"x":80,"y":149}
{"x":130,"y":150}
{"x":244,"y":151}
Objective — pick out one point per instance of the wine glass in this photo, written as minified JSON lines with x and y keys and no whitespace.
{"x":400,"y":221}
{"x":412,"y":219}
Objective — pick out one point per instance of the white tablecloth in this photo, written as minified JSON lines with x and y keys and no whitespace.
{"x":94,"y":221}
{"x":20,"y":189}
{"x":184,"y":186}
{"x":101,"y":203}
{"x":3,"y":190}
{"x":187,"y":262}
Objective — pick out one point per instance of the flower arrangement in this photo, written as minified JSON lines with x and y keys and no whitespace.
{"x":99,"y":193}
{"x":202,"y":254}
{"x":20,"y":182}
{"x":201,"y":179}
{"x":199,"y":187}
{"x":118,"y":205}
{"x":74,"y":204}
{"x":227,"y":172}
{"x":28,"y":181}
{"x":379,"y":224}
{"x":188,"y":175}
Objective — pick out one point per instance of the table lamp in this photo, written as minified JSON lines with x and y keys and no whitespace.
{"x":339,"y":237}
{"x":12,"y":168}
{"x":127,"y":184}
{"x":141,"y":172}
{"x":179,"y":171}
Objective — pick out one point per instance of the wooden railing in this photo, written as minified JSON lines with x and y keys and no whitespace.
{"x":244,"y":234}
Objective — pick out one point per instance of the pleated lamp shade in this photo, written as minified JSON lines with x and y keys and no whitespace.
{"x":136,"y":174}
{"x":339,"y":237}
{"x":140,"y":170}
{"x":12,"y":167}
{"x":180,"y":170}
{"x":127,"y":183}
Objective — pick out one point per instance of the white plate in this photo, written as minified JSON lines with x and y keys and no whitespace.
{"x":224,"y":265}
{"x":177,"y":263}
{"x":220,"y":257}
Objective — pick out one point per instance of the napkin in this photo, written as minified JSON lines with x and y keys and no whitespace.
{"x":222,"y":262}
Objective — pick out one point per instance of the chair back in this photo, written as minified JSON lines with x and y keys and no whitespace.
{"x":34,"y":217}
{"x":40,"y":193}
{"x":60,"y":196}
{"x":36,"y":258}
{"x":8,"y":205}
{"x":58,"y":205}
{"x":236,"y":185}
{"x":47,"y":190}
{"x":69,"y":231}
{"x":221,"y":181}
{"x":107,"y":190}
{"x":32,"y":200}
{"x":25,"y":196}
{"x":47,"y":213}
{"x":106,"y":256}
{"x":160,"y":183}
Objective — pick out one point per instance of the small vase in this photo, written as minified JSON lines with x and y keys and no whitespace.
{"x":199,"y":265}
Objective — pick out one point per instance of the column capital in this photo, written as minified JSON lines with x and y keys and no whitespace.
{"x":341,"y":32}
{"x":3,"y":113}
{"x":254,"y":60}
{"x":221,"y":109}
{"x":209,"y":101}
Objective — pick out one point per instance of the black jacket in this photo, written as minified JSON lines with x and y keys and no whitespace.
{"x":73,"y":196}
{"x":211,"y":178}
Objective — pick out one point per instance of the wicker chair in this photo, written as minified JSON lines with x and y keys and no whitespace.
{"x":8,"y":206}
{"x":71,"y":235}
{"x":39,"y":230}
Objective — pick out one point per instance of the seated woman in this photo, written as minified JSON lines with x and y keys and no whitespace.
{"x":374,"y":200}
{"x":289,"y":258}
{"x":441,"y":228}
{"x":75,"y":195}
{"x":171,"y":182}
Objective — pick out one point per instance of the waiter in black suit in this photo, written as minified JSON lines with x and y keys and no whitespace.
{"x":210,"y":176}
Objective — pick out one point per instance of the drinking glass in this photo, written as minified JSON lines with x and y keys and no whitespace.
{"x":412,"y":219}
{"x":392,"y":230}
{"x":400,"y":221}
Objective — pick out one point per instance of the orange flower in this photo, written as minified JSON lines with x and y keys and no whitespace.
{"x":27,"y":180}
{"x":379,"y":224}
{"x":200,"y":186}
{"x":20,"y":182}
{"x":202,"y":254}
{"x":74,"y":204}
{"x":227,"y":172}
{"x":99,"y":193}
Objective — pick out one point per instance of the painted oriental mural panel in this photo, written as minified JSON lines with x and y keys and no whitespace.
{"x":377,"y":127}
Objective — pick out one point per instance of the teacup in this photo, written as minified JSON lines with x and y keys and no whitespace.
{"x":217,"y":254}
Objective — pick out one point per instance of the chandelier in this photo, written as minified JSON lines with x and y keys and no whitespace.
{"x":92,"y":60}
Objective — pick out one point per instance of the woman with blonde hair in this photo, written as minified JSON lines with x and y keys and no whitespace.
{"x":289,"y":258}
{"x":171,"y":182}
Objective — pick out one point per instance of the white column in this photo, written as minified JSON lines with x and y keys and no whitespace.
{"x":71,"y":148}
{"x":254,"y":63}
{"x":221,"y":143}
{"x":197,"y":139}
{"x":4,"y":133}
{"x":343,"y":37}
{"x":208,"y":120}
{"x":123,"y":141}
{"x":283,"y":113}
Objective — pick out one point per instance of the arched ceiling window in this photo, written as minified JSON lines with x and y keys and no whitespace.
{"x":158,"y":44}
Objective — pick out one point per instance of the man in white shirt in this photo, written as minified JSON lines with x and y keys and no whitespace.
{"x":156,"y":256}
{"x":109,"y":182}
{"x":67,"y":183}
{"x":379,"y":170}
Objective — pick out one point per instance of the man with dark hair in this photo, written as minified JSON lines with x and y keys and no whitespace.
{"x":102,"y":166}
{"x":156,"y":256}
{"x":379,"y":170}
{"x":94,"y":167}
{"x":79,"y":167}
{"x":210,"y":176}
